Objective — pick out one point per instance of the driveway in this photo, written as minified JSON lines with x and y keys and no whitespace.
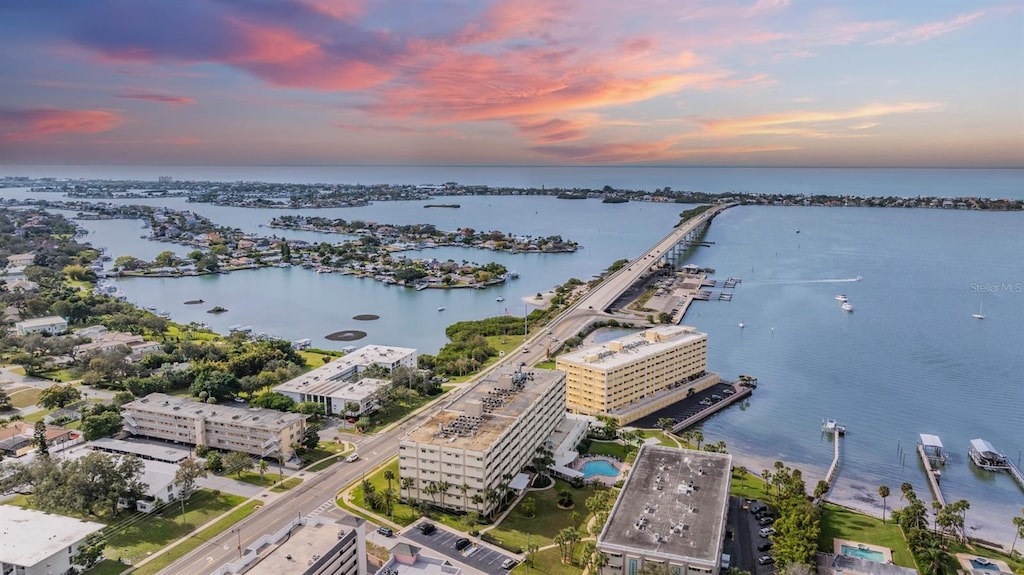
{"x":442,"y":542}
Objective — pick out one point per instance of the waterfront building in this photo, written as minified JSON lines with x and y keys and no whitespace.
{"x":670,"y":514}
{"x":104,"y":340}
{"x":38,"y":543}
{"x":636,"y":375}
{"x":259,"y":432}
{"x":52,"y":325}
{"x":335,"y":383}
{"x":479,"y":444}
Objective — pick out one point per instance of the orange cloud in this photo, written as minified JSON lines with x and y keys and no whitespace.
{"x":806,"y":123}
{"x":553,"y":130}
{"x":345,"y":10}
{"x":34,"y":124}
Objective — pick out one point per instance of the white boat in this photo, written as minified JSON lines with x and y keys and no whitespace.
{"x":741,"y":325}
{"x":500,"y":299}
{"x":441,"y":308}
{"x":831,"y":426}
{"x":981,"y":312}
{"x":841,"y":297}
{"x":847,"y":306}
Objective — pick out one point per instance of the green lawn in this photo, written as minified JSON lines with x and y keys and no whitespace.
{"x":549,"y":562}
{"x":25,"y":397}
{"x":407,"y":405}
{"x":611,"y":448}
{"x":547,"y":520}
{"x":401,"y":513}
{"x":661,"y":437}
{"x":315,"y":359}
{"x":502,"y":343}
{"x":107,"y":567}
{"x":39,"y":415}
{"x":141,"y":535}
{"x":545,"y":365}
{"x":845,"y":524}
{"x":198,"y":539}
{"x":269,"y":478}
{"x":287,"y":484}
{"x":59,"y":375}
{"x":748,"y":486}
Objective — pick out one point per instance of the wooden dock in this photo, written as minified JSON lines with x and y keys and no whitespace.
{"x":1016,"y":474}
{"x":933,"y":478}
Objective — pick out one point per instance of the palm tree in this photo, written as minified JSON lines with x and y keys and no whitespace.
{"x":699,"y":438}
{"x":262,"y":467}
{"x":477,"y":500}
{"x":389,"y":476}
{"x":491,"y":497}
{"x":431,"y":490}
{"x":905,"y":490}
{"x":1018,"y":523}
{"x":883,"y":492}
{"x":406,"y":483}
{"x":389,"y":500}
{"x":443,"y":488}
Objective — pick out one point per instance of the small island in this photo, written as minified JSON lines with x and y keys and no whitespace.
{"x":216,"y":309}
{"x":194,"y":301}
{"x":442,"y":206}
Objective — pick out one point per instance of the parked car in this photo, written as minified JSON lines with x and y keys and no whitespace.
{"x":509,"y":563}
{"x":705,"y":401}
{"x":716,"y":397}
{"x":765,"y":546}
{"x":462,"y":544}
{"x":729,"y":391}
{"x":765,"y":560}
{"x":427,"y":528}
{"x":385,"y":531}
{"x":765,"y":520}
{"x":766,"y":531}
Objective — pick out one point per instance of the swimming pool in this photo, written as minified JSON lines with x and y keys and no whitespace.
{"x":599,"y":467}
{"x":985,"y":564}
{"x":863,"y":553}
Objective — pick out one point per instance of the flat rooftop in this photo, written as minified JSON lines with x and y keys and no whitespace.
{"x":477,"y":419}
{"x":144,"y":450}
{"x":624,"y":350}
{"x":39,"y":321}
{"x":318,"y":381}
{"x":672,"y":505}
{"x":257,"y":418}
{"x":337,"y":388}
{"x":28,"y":536}
{"x":305,"y":542}
{"x":422,"y":565}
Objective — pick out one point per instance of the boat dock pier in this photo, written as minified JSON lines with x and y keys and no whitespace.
{"x":1016,"y":474}
{"x":834,"y":468}
{"x":930,"y":450}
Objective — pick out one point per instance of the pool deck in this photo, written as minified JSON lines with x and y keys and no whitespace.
{"x":965,"y":561}
{"x":604,"y":479}
{"x":837,"y":546}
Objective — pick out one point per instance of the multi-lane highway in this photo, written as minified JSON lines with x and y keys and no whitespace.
{"x":322,"y":487}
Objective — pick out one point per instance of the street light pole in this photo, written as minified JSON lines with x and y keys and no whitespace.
{"x":238,"y":531}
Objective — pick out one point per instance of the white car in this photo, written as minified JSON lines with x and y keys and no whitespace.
{"x":352,"y":458}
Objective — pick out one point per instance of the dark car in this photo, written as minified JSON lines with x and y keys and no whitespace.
{"x":765,"y":560}
{"x":427,"y":528}
{"x":462,"y":544}
{"x":765,"y":546}
{"x":385,"y":531}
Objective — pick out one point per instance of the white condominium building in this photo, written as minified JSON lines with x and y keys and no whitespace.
{"x":482,"y":440}
{"x":334,"y":384}
{"x":633,"y":376}
{"x":259,"y":432}
{"x":670,"y":515}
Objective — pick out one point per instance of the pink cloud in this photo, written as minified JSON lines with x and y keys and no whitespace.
{"x":808,"y":123}
{"x":345,"y":10}
{"x":552,"y":130}
{"x":157,"y":98}
{"x":647,"y":152}
{"x":34,"y":124}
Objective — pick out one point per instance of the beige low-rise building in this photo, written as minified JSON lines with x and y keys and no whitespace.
{"x":481,"y":441}
{"x":52,"y":325}
{"x":259,"y":432}
{"x":136,"y":345}
{"x":636,"y":375}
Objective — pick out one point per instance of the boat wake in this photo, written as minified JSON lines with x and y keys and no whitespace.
{"x":819,"y":281}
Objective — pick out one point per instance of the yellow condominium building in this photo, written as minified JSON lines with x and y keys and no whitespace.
{"x":478,"y":445}
{"x":633,"y":376}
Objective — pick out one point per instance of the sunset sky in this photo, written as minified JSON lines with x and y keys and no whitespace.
{"x":512,"y":82}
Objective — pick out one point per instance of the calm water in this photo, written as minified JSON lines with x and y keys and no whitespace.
{"x":905,"y":182}
{"x":909,"y":360}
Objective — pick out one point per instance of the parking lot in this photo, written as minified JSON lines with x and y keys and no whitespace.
{"x":742,"y":547}
{"x":687,"y":407}
{"x":442,"y":542}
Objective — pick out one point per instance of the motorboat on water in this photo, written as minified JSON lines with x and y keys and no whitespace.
{"x":831,"y":426}
{"x":981,"y":312}
{"x":500,"y":299}
{"x":441,"y":308}
{"x":842,"y":298}
{"x":847,"y":306}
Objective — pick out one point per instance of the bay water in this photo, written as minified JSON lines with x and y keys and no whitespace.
{"x":910,"y":359}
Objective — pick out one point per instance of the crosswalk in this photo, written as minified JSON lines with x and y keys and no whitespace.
{"x":329,"y":504}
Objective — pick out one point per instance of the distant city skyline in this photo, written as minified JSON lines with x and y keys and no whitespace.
{"x":512,"y":82}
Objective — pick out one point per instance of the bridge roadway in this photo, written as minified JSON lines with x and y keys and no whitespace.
{"x":323,"y":487}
